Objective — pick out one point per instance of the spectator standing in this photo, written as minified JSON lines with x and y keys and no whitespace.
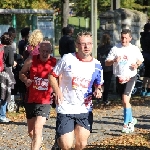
{"x":35,"y":38}
{"x":12,"y":31}
{"x":145,"y":45}
{"x":20,"y":86}
{"x":6,"y":76}
{"x":102,"y":52}
{"x":24,"y":41}
{"x":66,"y":42}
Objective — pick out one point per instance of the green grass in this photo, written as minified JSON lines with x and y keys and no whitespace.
{"x":56,"y":52}
{"x":79,"y":20}
{"x":82,"y":21}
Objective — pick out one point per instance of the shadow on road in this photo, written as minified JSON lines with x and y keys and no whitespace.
{"x":24,"y":124}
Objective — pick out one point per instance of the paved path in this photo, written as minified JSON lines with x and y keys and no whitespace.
{"x":107,"y":123}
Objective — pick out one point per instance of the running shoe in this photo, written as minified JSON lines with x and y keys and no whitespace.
{"x":134,"y":121}
{"x":147,"y":94}
{"x":128,"y":129}
{"x":143,"y":92}
{"x":4,"y":119}
{"x":107,"y":103}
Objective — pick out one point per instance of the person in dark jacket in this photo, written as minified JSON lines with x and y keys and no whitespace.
{"x":12,"y":31}
{"x":102,"y":52}
{"x":24,"y":41}
{"x":7,"y":80}
{"x":66,"y":42}
{"x":20,"y":86}
{"x":145,"y":45}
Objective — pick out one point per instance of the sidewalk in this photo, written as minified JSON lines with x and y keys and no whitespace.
{"x":107,"y":123}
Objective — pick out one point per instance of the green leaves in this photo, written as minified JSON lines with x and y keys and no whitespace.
{"x":24,"y":4}
{"x":22,"y":19}
{"x":83,"y":8}
{"x":135,"y":4}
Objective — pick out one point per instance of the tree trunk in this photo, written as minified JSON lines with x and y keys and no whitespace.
{"x":65,"y":12}
{"x":145,"y":3}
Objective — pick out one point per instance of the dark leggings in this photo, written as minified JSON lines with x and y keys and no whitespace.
{"x":107,"y":80}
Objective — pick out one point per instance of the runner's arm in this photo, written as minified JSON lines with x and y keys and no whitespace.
{"x":25,"y":69}
{"x":53,"y":82}
{"x":111,"y":58}
{"x":109,"y":62}
{"x":138,"y":63}
{"x":140,"y":58}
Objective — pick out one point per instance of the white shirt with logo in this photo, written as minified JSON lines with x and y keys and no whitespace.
{"x":129,"y":55}
{"x":76,"y":83}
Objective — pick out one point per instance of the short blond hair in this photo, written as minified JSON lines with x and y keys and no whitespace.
{"x":35,"y":37}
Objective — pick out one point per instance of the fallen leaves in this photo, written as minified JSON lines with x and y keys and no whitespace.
{"x":126,"y":141}
{"x":15,"y":117}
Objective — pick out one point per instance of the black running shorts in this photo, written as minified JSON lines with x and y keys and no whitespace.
{"x":34,"y":110}
{"x":66,"y":122}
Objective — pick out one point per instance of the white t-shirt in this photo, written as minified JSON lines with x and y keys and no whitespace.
{"x":76,"y":83}
{"x":129,"y":55}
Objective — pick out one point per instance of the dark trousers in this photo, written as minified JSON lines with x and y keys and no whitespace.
{"x":107,"y":80}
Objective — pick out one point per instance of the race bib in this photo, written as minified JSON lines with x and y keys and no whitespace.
{"x":40,"y":84}
{"x":78,"y":82}
{"x":124,"y":66}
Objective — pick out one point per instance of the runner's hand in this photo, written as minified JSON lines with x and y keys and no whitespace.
{"x":28,"y":82}
{"x":97,"y":93}
{"x":134,"y":66}
{"x":117,"y":59}
{"x":58,"y":97}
